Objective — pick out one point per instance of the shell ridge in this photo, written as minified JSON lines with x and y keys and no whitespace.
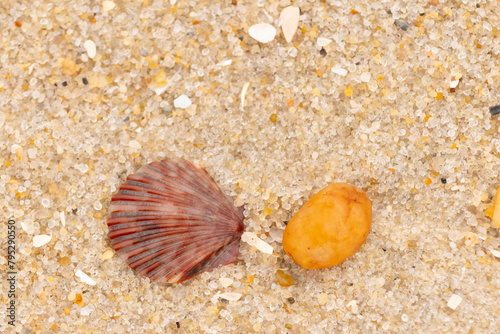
{"x":168,"y":240}
{"x":163,"y":223}
{"x":169,"y":263}
{"x":214,"y":243}
{"x":168,"y":191}
{"x":205,"y":187}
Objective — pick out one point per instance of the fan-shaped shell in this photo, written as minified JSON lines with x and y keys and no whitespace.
{"x":170,"y":221}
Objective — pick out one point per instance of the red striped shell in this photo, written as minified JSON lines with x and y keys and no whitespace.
{"x":170,"y":221}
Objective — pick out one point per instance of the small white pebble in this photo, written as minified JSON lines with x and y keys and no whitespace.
{"x":90,"y":48}
{"x":182,"y":102}
{"x":97,"y":205}
{"x":253,"y":240}
{"x":160,"y":90}
{"x":454,"y":83}
{"x":225,"y":281}
{"x":82,"y":167}
{"x":365,"y":76}
{"x":16,"y":149}
{"x":134,"y":144}
{"x":339,"y":71}
{"x":454,"y":301}
{"x":323,"y":41}
{"x":231,"y":296}
{"x":495,"y":252}
{"x":40,"y":240}
{"x":85,"y":311}
{"x":292,"y":52}
{"x":108,"y":5}
{"x":84,"y":277}
{"x":289,"y":22}
{"x":46,"y":202}
{"x":262,"y":32}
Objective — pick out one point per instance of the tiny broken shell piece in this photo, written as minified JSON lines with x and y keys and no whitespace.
{"x":253,"y":240}
{"x":289,"y":21}
{"x":231,"y":296}
{"x":262,"y":32}
{"x":170,"y":221}
{"x":322,"y":41}
{"x":40,"y":240}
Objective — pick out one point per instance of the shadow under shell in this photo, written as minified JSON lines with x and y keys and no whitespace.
{"x":170,"y":221}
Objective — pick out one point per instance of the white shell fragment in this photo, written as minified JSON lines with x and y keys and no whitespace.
{"x":495,"y":252}
{"x":454,"y":301}
{"x":28,"y":227}
{"x":244,"y":93}
{"x":340,"y":71}
{"x":108,"y":5}
{"x":323,"y":41}
{"x":84,"y":277}
{"x":262,"y":32}
{"x":40,"y":240}
{"x":454,"y":83}
{"x":253,"y":240}
{"x":225,"y":281}
{"x":90,"y":48}
{"x":365,"y":76}
{"x":160,"y":90}
{"x":226,"y":62}
{"x":62,"y":216}
{"x":231,"y":296}
{"x":85,"y":311}
{"x":289,"y":21}
{"x":182,"y":102}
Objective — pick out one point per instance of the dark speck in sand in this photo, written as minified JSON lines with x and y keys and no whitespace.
{"x":402,"y":24}
{"x":495,"y":110}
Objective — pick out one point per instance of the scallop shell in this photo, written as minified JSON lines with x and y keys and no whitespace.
{"x":170,"y":221}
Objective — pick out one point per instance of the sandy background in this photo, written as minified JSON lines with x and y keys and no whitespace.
{"x":392,"y":124}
